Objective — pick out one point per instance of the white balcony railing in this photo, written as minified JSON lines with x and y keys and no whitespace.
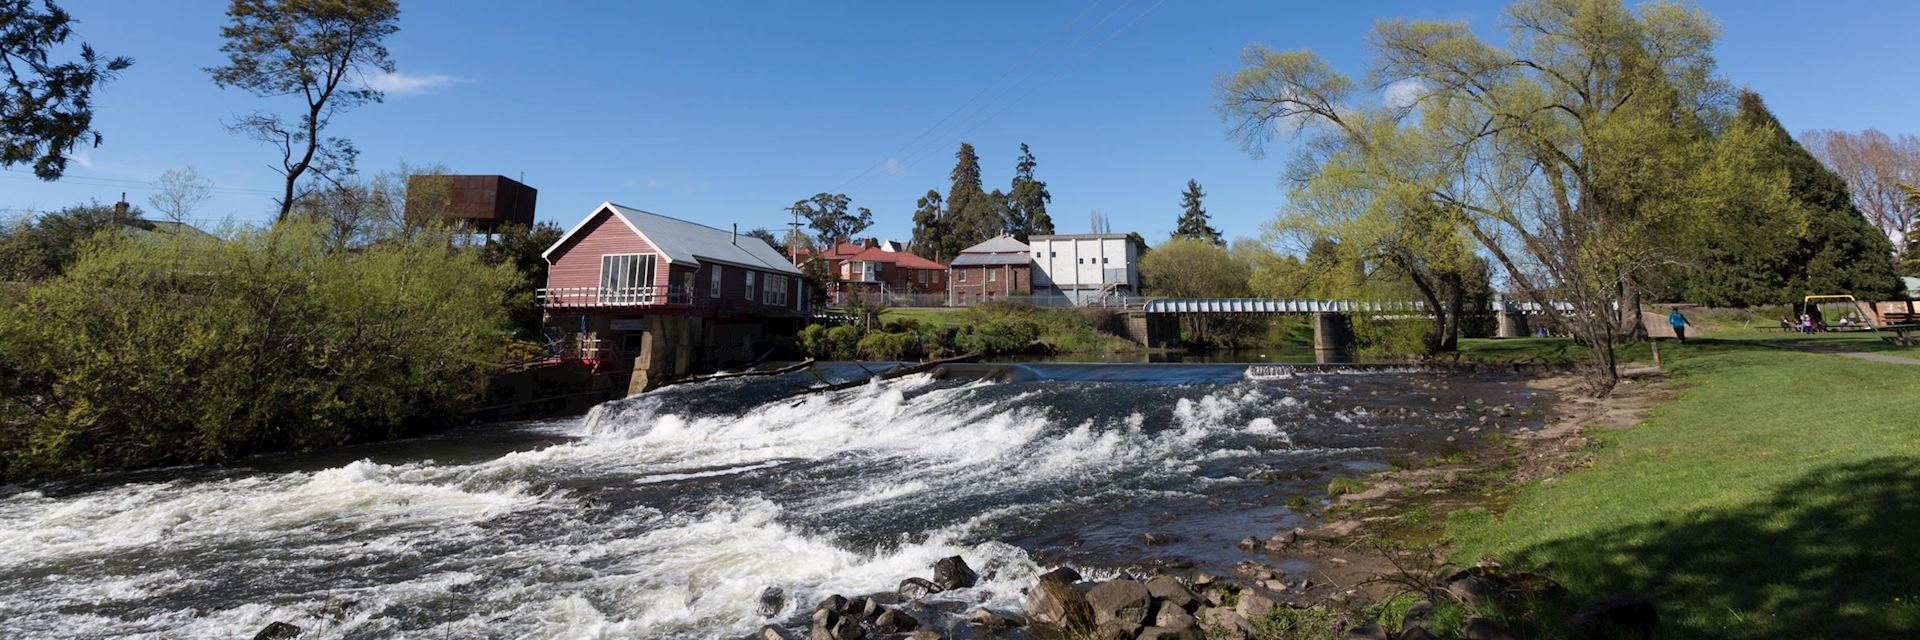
{"x":608,"y":297}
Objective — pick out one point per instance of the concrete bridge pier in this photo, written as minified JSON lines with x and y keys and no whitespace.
{"x":1332,"y":337}
{"x":1512,"y":324}
{"x":1153,"y":330}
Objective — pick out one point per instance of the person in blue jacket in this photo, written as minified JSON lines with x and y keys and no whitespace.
{"x":1679,"y":322}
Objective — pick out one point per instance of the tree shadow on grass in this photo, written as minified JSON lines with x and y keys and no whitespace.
{"x":1834,"y":554}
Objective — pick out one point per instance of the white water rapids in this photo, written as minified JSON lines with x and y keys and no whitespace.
{"x":650,"y":519}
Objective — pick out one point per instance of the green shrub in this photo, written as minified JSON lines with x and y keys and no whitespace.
{"x":843,"y":342}
{"x":163,"y":350}
{"x":889,"y":346}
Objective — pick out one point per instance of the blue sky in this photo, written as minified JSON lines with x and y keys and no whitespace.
{"x":728,"y":112}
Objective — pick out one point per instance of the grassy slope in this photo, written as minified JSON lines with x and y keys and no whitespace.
{"x":1778,"y":496}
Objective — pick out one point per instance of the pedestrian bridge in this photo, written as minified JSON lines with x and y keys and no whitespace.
{"x":1155,"y":322}
{"x":1273,"y":306}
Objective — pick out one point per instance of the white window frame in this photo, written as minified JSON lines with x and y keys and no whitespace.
{"x":637,"y":275}
{"x":963,"y":275}
{"x":993,"y":275}
{"x":715,"y":280}
{"x":774,"y":290}
{"x":749,"y":291}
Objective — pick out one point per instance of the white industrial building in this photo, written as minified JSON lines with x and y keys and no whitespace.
{"x":1085,"y":267}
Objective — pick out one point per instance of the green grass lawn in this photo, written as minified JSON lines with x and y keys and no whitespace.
{"x":933,"y":317}
{"x":1777,"y":497}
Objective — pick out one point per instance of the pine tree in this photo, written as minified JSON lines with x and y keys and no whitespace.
{"x":930,"y":237}
{"x":970,"y":217}
{"x":1827,"y":247}
{"x":1193,"y":217}
{"x":1028,"y":206}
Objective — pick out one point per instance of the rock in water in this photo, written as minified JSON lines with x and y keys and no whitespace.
{"x":984,"y":617}
{"x":1057,"y":603}
{"x":1617,"y":617}
{"x":895,"y":621}
{"x":1120,"y":599}
{"x":1063,"y":575}
{"x":849,"y":629}
{"x":1158,"y":633}
{"x":1174,"y":618}
{"x":869,"y":608}
{"x":278,"y":631}
{"x":916,"y":588}
{"x":953,"y":573}
{"x":1169,"y":589}
{"x":833,"y":603}
{"x":772,"y":601}
{"x":924,"y":634}
{"x":771,"y":632}
{"x":1484,"y":629}
{"x":1223,"y":622}
{"x":824,"y":618}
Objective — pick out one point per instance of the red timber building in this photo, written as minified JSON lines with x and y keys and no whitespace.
{"x":668,"y":295}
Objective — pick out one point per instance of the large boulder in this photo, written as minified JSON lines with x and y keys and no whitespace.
{"x":277,"y":630}
{"x":834,"y":603}
{"x":849,"y":629}
{"x":1159,"y":633}
{"x":1484,"y":629}
{"x":1116,"y":630}
{"x":1622,"y":616}
{"x":1065,"y":575}
{"x":824,"y":618}
{"x":1169,"y":589}
{"x":1368,"y":631}
{"x":984,"y":617}
{"x":953,"y":573}
{"x":1057,"y":603}
{"x":894,"y":621}
{"x":1417,"y":633}
{"x":1224,"y":622}
{"x":1121,"y":599}
{"x":771,"y":632}
{"x":1417,"y":615}
{"x":916,"y":588}
{"x":1472,"y":590}
{"x":1253,"y":605}
{"x":866,"y":608}
{"x":1171,"y":617}
{"x":924,"y":634}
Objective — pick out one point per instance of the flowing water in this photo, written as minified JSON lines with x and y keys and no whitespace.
{"x":669,"y":514}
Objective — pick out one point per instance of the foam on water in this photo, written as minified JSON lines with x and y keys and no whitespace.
{"x":797,"y":494}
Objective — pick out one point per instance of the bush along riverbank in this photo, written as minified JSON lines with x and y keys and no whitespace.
{"x":154,"y":350}
{"x":987,"y":329}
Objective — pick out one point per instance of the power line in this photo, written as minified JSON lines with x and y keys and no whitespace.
{"x":102,"y":181}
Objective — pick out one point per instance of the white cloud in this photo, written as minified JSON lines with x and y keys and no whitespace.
{"x":893,"y":167}
{"x":1402,"y":93}
{"x":400,"y":83}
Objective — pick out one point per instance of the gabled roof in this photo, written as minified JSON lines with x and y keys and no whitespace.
{"x":902,"y":258}
{"x":1002,"y":244}
{"x":841,"y":250}
{"x":687,"y":242}
{"x":978,"y":259}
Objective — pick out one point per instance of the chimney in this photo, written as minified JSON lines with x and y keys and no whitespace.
{"x":120,"y":208}
{"x":735,"y":238}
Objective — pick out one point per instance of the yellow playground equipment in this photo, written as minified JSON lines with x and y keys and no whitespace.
{"x":1890,"y":321}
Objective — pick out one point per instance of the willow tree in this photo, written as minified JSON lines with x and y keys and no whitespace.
{"x":1578,"y":156}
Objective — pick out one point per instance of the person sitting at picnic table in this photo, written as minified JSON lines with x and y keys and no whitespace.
{"x":1806,"y":323}
{"x":1786,"y":323}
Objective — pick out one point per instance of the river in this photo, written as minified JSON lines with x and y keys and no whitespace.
{"x":667,"y":515}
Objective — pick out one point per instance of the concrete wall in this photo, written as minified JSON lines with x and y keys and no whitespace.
{"x":1085,"y":262}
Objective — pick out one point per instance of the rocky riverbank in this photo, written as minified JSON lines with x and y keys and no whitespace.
{"x":1368,"y":563}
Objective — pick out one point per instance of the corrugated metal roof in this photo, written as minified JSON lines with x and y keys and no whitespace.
{"x":977,"y":259}
{"x":691,"y":242}
{"x":902,"y":258}
{"x":1002,"y":244}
